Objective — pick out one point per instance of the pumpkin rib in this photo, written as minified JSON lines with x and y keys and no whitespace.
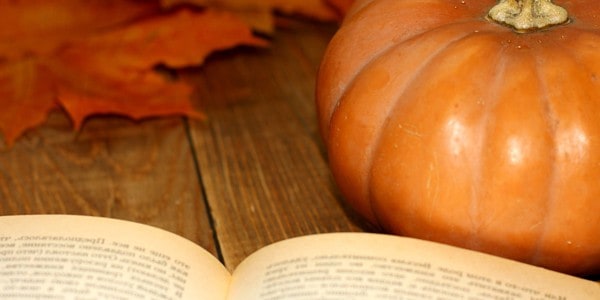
{"x":551,"y":202}
{"x":384,"y":51}
{"x":376,"y":144}
{"x":384,"y":126}
{"x":542,"y":252}
{"x":352,"y":29}
{"x":499,"y":62}
{"x":491,"y":102}
{"x":572,"y":51}
{"x":360,"y":79}
{"x":518,"y":143}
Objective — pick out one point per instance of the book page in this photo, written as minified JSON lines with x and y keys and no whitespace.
{"x":78,"y":257}
{"x":374,"y":266}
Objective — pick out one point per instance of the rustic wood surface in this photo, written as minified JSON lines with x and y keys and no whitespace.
{"x":254,"y":172}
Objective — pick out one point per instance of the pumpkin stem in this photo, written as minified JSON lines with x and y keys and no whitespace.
{"x":528,"y":15}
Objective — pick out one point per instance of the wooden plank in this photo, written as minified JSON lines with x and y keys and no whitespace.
{"x":262,"y":166}
{"x":143,"y":172}
{"x":304,"y":44}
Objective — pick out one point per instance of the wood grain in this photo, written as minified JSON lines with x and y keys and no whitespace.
{"x":142,"y":172}
{"x":257,"y":163}
{"x":260,"y":158}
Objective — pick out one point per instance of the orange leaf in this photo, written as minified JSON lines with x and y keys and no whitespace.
{"x":99,"y":56}
{"x":38,"y":27}
{"x":223,"y":4}
{"x":258,"y":13}
{"x":113,"y":72}
{"x":108,"y":66}
{"x":312,"y":8}
{"x":26,"y":97}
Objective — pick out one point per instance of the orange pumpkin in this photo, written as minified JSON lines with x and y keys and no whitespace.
{"x":448,"y":122}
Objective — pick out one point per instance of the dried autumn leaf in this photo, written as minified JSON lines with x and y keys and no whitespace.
{"x":232,"y":5}
{"x":98,"y":56}
{"x":33,"y":29}
{"x":26,"y":97}
{"x":313,"y":8}
{"x":38,"y":27}
{"x":259,"y":13}
{"x":107,"y":68}
{"x":112,"y":73}
{"x":256,"y":14}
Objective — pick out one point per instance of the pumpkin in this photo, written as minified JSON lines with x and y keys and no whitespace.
{"x":474,"y":123}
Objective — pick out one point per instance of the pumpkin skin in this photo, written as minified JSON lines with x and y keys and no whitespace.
{"x":442,"y":125}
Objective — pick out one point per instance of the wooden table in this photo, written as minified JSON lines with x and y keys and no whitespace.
{"x":253,"y":173}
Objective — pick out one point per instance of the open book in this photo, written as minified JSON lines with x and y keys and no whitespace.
{"x":78,"y":257}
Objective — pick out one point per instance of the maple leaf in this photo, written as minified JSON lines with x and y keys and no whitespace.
{"x":38,"y":27}
{"x":99,"y":56}
{"x":25,"y":95}
{"x":105,"y":66}
{"x":123,"y":61}
{"x":259,"y":13}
